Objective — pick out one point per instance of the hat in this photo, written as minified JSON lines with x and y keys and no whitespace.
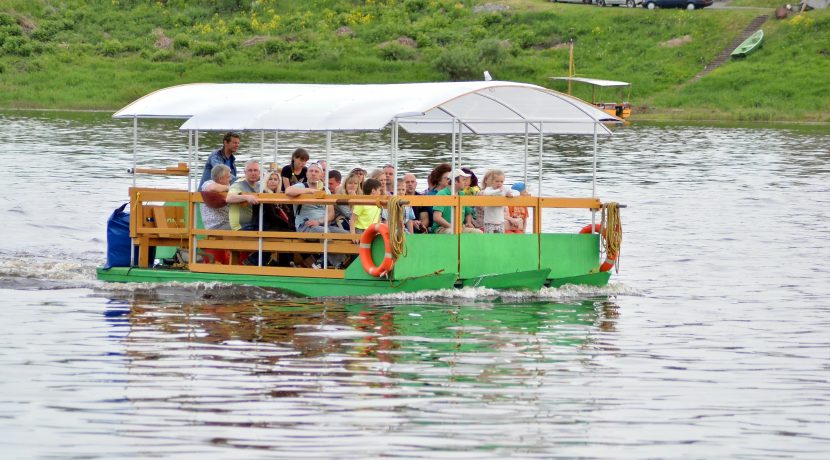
{"x":519,"y":187}
{"x":459,"y":172}
{"x":359,"y":169}
{"x":315,"y":165}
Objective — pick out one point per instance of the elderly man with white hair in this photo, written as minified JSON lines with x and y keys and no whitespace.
{"x":312,"y":218}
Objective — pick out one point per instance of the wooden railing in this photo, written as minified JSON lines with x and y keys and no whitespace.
{"x":157,"y":222}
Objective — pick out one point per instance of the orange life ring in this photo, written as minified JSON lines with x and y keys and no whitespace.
{"x":365,"y":251}
{"x":590,"y":228}
{"x":610,"y":259}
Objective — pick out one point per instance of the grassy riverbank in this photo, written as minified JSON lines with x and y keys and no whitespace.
{"x":100,"y":54}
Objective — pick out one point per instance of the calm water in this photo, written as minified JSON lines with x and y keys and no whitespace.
{"x":711,"y":342}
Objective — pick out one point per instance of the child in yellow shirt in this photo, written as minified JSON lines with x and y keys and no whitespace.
{"x":365,"y":215}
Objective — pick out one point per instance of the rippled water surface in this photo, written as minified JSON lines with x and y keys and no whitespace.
{"x":711,"y":342}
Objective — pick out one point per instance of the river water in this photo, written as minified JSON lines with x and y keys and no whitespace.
{"x":711,"y":342}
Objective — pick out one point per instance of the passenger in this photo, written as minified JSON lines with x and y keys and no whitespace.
{"x":438,"y":179}
{"x":222,"y":156}
{"x":296,"y":171}
{"x":312,"y":218}
{"x":441,"y":214}
{"x":361,"y":173}
{"x":365,"y":215}
{"x":389,"y":173}
{"x":215,"y":211}
{"x":494,"y":216}
{"x":216,"y":208}
{"x":380,"y":176}
{"x":343,"y":212}
{"x":516,"y":220}
{"x":274,"y":218}
{"x":473,"y":189}
{"x":334,"y":181}
{"x":241,"y":214}
{"x":408,"y":214}
{"x":423,"y":214}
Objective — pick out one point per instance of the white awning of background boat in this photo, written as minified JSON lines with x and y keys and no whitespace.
{"x":484,"y":107}
{"x":593,"y":81}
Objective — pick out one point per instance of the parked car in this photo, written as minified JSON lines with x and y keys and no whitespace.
{"x":688,"y":4}
{"x":628,"y":3}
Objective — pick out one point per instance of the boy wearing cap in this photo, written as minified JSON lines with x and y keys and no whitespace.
{"x":516,"y":221}
{"x":441,"y":214}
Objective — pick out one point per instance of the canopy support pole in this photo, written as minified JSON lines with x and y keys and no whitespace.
{"x":135,"y":154}
{"x":135,"y":145}
{"x":193,"y":247}
{"x":190,"y":166}
{"x":276,"y":165}
{"x":325,"y":190}
{"x":594,"y":187}
{"x":541,"y":147}
{"x":455,"y":122}
{"x":259,"y":189}
{"x":395,"y":133}
{"x":527,"y":138}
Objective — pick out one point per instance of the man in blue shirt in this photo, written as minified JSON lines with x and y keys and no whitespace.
{"x":222,"y":155}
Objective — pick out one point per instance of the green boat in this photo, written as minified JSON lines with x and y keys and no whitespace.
{"x":159,"y":218}
{"x":749,"y":45}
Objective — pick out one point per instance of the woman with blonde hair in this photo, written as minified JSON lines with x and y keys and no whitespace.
{"x":350,"y":186}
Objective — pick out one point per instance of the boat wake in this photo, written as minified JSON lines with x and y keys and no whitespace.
{"x":568,"y":292}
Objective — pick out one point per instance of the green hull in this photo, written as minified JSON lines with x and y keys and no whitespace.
{"x":531,"y":280}
{"x":299,"y":286}
{"x":432,"y":262}
{"x":593,"y":279}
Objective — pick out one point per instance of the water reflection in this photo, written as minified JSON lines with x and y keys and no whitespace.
{"x":391,"y":333}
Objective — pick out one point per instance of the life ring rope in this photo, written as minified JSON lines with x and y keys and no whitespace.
{"x":365,"y":251}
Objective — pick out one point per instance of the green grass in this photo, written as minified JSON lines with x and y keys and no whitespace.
{"x":101,"y":54}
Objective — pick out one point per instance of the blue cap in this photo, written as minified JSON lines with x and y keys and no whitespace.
{"x":519,"y":187}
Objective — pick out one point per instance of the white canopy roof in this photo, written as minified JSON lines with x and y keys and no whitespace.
{"x":594,"y":81}
{"x":483,"y":107}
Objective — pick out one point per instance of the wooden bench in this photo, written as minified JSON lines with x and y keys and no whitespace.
{"x":157,"y":225}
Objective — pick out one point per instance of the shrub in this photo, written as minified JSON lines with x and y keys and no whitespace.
{"x":300,"y":52}
{"x":415,"y":6}
{"x":17,"y":45}
{"x":7,"y":20}
{"x":112,"y":48}
{"x":274,"y":46}
{"x":205,"y":48}
{"x":394,"y":51}
{"x":11,"y":30}
{"x":240,"y":25}
{"x":181,"y":41}
{"x":458,"y":64}
{"x":492,"y":51}
{"x":160,"y":55}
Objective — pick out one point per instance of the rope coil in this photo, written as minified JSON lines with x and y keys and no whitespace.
{"x":397,"y":238}
{"x":612,"y":232}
